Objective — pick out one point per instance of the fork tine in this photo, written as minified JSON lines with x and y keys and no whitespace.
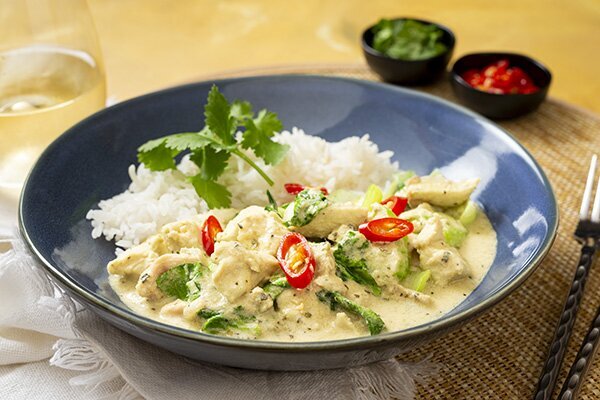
{"x":596,"y":208}
{"x":587,"y":194}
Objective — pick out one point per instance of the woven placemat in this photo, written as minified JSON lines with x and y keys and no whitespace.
{"x":500,"y":354}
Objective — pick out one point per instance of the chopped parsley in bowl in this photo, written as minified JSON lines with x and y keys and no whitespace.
{"x":408,"y":39}
{"x":408,"y":51}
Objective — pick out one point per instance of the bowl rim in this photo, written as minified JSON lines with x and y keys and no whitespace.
{"x":367,"y":47}
{"x":354,"y":343}
{"x":456,"y":77}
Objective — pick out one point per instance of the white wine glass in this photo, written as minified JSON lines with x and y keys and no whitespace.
{"x":51,"y":76}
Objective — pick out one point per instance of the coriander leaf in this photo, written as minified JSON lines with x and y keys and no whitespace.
{"x":262,"y":145}
{"x":157,"y":157}
{"x":271,"y":152}
{"x":186,"y":141}
{"x":258,"y":137}
{"x":268,"y":122}
{"x":152,"y":144}
{"x":218,"y":119}
{"x":215,"y":194}
{"x":212,"y":162}
{"x":241,"y":110}
{"x":211,"y":148}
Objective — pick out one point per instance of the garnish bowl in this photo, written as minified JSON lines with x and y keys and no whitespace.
{"x":408,"y":72}
{"x":500,"y":106}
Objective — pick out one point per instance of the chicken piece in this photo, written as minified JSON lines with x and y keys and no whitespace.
{"x":444,"y":261}
{"x":146,"y":286}
{"x":386,"y":262}
{"x":256,"y":229}
{"x":240,"y":269}
{"x":209,"y":298}
{"x":325,"y":269}
{"x":331,"y":218}
{"x":173,"y":309}
{"x":454,"y":232}
{"x":257,"y":301}
{"x":181,"y":234}
{"x":343,"y":323}
{"x":135,"y":259}
{"x":418,"y":216}
{"x":437,"y":190}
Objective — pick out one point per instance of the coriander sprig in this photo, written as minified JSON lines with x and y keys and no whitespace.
{"x":212,"y":147}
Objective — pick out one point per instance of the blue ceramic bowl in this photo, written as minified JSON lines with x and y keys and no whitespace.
{"x":89,"y":163}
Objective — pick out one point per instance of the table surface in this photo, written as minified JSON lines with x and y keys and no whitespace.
{"x":151,"y":44}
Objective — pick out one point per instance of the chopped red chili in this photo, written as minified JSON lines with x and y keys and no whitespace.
{"x":386,"y":229}
{"x":500,"y":78}
{"x":296,"y":260}
{"x":295,"y":188}
{"x":396,"y":203}
{"x":209,"y":231}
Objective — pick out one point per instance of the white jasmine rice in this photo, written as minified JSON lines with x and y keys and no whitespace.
{"x":154,"y":199}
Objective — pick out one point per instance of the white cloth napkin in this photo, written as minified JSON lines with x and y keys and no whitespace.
{"x":39,"y":321}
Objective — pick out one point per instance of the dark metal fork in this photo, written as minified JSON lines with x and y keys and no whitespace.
{"x":588,"y":234}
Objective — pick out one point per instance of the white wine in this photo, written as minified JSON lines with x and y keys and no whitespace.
{"x":43,"y":91}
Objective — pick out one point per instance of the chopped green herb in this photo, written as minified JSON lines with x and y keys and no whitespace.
{"x":272,"y":206}
{"x":307,"y":205}
{"x":206,"y":313}
{"x":350,"y":265}
{"x":182,"y":281}
{"x":407,"y":39}
{"x":337,"y":301}
{"x":212,"y":147}
{"x":276,"y":286}
{"x":217,"y":323}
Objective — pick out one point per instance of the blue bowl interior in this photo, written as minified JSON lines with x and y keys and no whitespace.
{"x":89,"y":163}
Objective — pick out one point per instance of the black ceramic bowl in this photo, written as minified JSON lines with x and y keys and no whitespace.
{"x":408,"y":72}
{"x":500,"y":106}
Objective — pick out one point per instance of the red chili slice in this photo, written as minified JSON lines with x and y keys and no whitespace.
{"x":296,"y":260}
{"x":396,"y":203}
{"x":500,"y":78}
{"x":386,"y":229}
{"x":210,"y":228}
{"x":295,"y":188}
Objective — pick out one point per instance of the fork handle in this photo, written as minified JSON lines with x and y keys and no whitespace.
{"x":564,"y":328}
{"x":582,"y":362}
